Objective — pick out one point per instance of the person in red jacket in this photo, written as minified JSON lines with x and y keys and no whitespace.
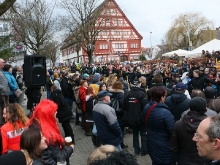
{"x":12,"y":130}
{"x":82,"y":97}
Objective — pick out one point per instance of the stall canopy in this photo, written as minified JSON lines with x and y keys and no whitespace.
{"x":179,"y":52}
{"x":210,"y":46}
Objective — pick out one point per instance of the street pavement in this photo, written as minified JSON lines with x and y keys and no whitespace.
{"x":84,"y":145}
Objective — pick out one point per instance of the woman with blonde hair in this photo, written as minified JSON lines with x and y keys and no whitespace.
{"x":12,"y":130}
{"x":143,"y":82}
{"x":101,"y":152}
{"x":110,"y":81}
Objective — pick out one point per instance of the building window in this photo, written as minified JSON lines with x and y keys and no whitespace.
{"x":105,"y":33}
{"x":119,"y":22}
{"x":107,"y":21}
{"x":117,"y":33}
{"x":134,"y":45}
{"x":107,"y":11}
{"x":103,"y":46}
{"x":125,"y":33}
{"x":119,"y":46}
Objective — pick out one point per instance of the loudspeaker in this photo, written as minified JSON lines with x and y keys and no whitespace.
{"x":34,"y":70}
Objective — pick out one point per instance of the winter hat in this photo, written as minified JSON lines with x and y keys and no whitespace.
{"x":96,"y":76}
{"x":121,"y":79}
{"x":104,"y":93}
{"x":198,"y":104}
{"x":50,"y":71}
{"x":180,"y":86}
{"x":209,"y":94}
{"x":136,"y":82}
{"x":85,"y":75}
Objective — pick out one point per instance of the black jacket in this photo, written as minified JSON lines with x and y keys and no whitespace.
{"x":131,"y":77}
{"x":89,"y":107}
{"x":49,"y":155}
{"x":63,"y":112}
{"x":178,"y":103}
{"x":134,"y":102}
{"x":197,"y":83}
{"x":118,"y":94}
{"x":66,"y":87}
{"x":49,"y":83}
{"x":181,"y":143}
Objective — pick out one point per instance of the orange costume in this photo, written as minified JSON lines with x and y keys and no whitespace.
{"x":11,"y":136}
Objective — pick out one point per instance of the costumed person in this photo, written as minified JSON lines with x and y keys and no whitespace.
{"x":44,"y":117}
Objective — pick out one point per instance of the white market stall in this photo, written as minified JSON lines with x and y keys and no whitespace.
{"x":210,"y":46}
{"x":179,"y":52}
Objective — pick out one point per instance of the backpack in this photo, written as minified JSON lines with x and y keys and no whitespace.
{"x":78,"y":102}
{"x":116,"y":105}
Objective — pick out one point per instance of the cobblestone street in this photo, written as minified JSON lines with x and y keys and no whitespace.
{"x":84,"y":146}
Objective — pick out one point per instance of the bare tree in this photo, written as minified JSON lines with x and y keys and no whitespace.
{"x":34,"y":24}
{"x":6,"y":5}
{"x":51,"y":50}
{"x":188,"y":24}
{"x":88,"y":18}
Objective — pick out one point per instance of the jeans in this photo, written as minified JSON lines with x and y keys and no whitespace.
{"x":48,"y":94}
{"x":68,"y":129}
{"x":20,"y":99}
{"x":77,"y":116}
{"x":118,"y":148}
{"x":136,"y":130}
{"x":12,"y":98}
{"x":69,"y":102}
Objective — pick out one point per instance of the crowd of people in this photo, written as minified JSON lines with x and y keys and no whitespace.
{"x":171,"y":105}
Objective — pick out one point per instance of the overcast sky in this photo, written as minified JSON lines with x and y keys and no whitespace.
{"x":156,"y":16}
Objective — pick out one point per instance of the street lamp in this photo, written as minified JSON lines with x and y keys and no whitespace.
{"x":162,"y":46}
{"x":151,"y":46}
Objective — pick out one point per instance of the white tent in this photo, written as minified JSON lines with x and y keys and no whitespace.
{"x":179,"y":52}
{"x":211,"y":45}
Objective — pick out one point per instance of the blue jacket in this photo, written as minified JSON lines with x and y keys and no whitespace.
{"x":159,"y":127}
{"x":11,"y":81}
{"x":177,"y":103}
{"x":108,"y":129}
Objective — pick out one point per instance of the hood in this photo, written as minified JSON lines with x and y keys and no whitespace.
{"x":116,"y":90}
{"x":6,"y":72}
{"x":178,"y":97}
{"x":57,"y":91}
{"x":191,"y":121}
{"x":209,"y":92}
{"x":137,"y":89}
